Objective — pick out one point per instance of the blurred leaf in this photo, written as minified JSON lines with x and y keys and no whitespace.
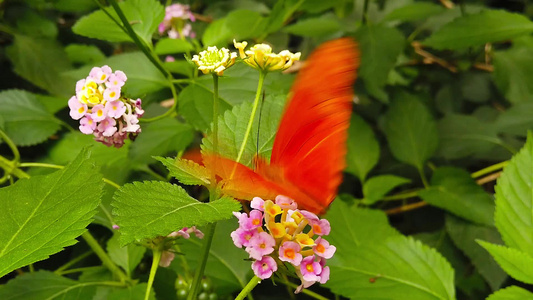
{"x":281,"y":12}
{"x":378,"y":186}
{"x":410,"y":131}
{"x":182,"y":67}
{"x":144,"y":17}
{"x":44,"y":214}
{"x":143,"y":76}
{"x":41,"y":61}
{"x":245,"y":24}
{"x":196,"y":106}
{"x":217,"y":33}
{"x":513,"y":216}
{"x":380,"y":47}
{"x":46,"y":285}
{"x":74,"y":6}
{"x":144,"y":210}
{"x":315,"y":27}
{"x":511,"y":293}
{"x":186,"y":171}
{"x":464,"y":236}
{"x":513,"y":73}
{"x":33,"y":24}
{"x":476,"y":87}
{"x":84,"y":54}
{"x":26,"y":120}
{"x":127,"y":257}
{"x":363,"y":148}
{"x":51,"y":103}
{"x":135,"y":292}
{"x":414,"y":12}
{"x":159,"y":138}
{"x":516,"y":120}
{"x":476,"y":30}
{"x":516,"y":263}
{"x":456,"y":191}
{"x":171,"y":46}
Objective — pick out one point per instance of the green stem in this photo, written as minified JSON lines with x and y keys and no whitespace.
{"x":402,"y":196}
{"x":209,"y":233}
{"x":262,"y":76}
{"x":12,"y":146}
{"x":11,"y":168}
{"x":78,"y":270}
{"x":365,"y":12}
{"x":171,"y":110}
{"x":153,"y":271}
{"x":423,"y":177}
{"x":248,"y":288}
{"x":215,"y":113}
{"x":41,"y":165}
{"x":304,"y":291}
{"x":73,"y":262}
{"x":106,"y":260}
{"x":490,"y":169}
{"x":31,"y":267}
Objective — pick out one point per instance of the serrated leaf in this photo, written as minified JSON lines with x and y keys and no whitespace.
{"x":171,"y":46}
{"x":227,"y":265}
{"x":143,"y":76}
{"x":414,"y":12}
{"x":513,"y":71}
{"x":516,"y":263}
{"x":44,"y":214}
{"x":489,"y":26}
{"x":26,"y":120}
{"x":514,"y":202}
{"x":196,"y":106}
{"x":454,"y":190}
{"x":245,"y":24}
{"x":144,"y":17}
{"x":411,"y":131}
{"x":363,"y":148}
{"x":186,"y":171}
{"x":148,"y":209}
{"x":511,"y":293}
{"x":315,"y":27}
{"x":84,"y":54}
{"x":159,"y":138}
{"x":217,"y":33}
{"x":378,"y":186}
{"x":46,"y":285}
{"x":464,"y":236}
{"x":42,"y":62}
{"x":127,"y":257}
{"x":397,"y":268}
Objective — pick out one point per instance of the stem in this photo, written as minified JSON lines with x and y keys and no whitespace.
{"x":73,"y":262}
{"x":42,"y":165}
{"x":9,"y":142}
{"x":78,"y":270}
{"x":262,"y":76}
{"x":171,"y":110}
{"x":405,"y":208}
{"x":210,"y":232}
{"x":215,"y":128}
{"x":490,"y":169}
{"x":106,"y":260}
{"x":402,"y":196}
{"x":248,"y":288}
{"x":10,"y":168}
{"x":304,"y":291}
{"x":153,"y":271}
{"x":31,"y":267}
{"x":423,"y":177}
{"x":365,"y":12}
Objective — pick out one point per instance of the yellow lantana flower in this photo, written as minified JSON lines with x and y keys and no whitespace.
{"x":214,"y":60}
{"x":260,"y":57}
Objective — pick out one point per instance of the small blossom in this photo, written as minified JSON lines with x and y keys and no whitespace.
{"x":285,"y":202}
{"x":115,"y":109}
{"x":87,"y":125}
{"x":77,"y":109}
{"x":116,"y":80}
{"x":290,"y":252}
{"x":321,"y":227}
{"x":242,"y":237}
{"x":260,"y":57}
{"x":107,"y":126}
{"x":253,"y":221}
{"x":116,"y":227}
{"x":112,"y":94}
{"x":166,"y":258}
{"x":260,"y":244}
{"x":98,"y":113}
{"x":323,"y":248}
{"x":258,"y":203}
{"x":272,"y":209}
{"x":100,"y":75}
{"x":214,"y":60}
{"x":175,"y":21}
{"x":264,"y":267}
{"x":310,"y":269}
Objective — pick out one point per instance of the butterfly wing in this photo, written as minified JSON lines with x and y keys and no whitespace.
{"x":310,"y":145}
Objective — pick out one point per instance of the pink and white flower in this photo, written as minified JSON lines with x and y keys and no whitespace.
{"x":77,"y":109}
{"x":290,"y":252}
{"x":264,"y":267}
{"x":260,"y":244}
{"x":87,"y":125}
{"x":115,"y":109}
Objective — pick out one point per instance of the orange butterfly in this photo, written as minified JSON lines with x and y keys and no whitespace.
{"x":309,"y":150}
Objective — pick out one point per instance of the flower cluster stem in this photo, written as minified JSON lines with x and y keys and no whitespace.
{"x":208,"y":239}
{"x":248,"y":288}
{"x":153,"y":270}
{"x":106,"y":260}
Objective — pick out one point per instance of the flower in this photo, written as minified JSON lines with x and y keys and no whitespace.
{"x":281,"y":232}
{"x":260,"y":57}
{"x":214,"y":60}
{"x":175,"y":22}
{"x":166,"y":243}
{"x":102,"y":109}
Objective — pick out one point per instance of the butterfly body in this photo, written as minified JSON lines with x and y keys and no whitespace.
{"x":309,"y":150}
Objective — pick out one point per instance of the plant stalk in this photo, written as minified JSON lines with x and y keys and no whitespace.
{"x":153,"y":270}
{"x":248,"y":288}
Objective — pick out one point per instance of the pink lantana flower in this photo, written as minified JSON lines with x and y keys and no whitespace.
{"x":87,"y":125}
{"x":98,"y":113}
{"x":323,"y":248}
{"x":176,"y":20}
{"x":77,"y":109}
{"x":290,"y":252}
{"x":264,"y":267}
{"x":107,"y":126}
{"x":260,"y":244}
{"x":242,"y":237}
{"x":115,"y":109}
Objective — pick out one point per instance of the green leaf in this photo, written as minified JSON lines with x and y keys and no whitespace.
{"x":315,"y":27}
{"x":516,"y":120}
{"x":232,"y":127}
{"x":281,"y":12}
{"x":380,"y":47}
{"x":489,"y":26}
{"x":26,"y":120}
{"x":186,"y":171}
{"x":44,"y":214}
{"x":171,"y":46}
{"x":414,"y":12}
{"x":182,"y":67}
{"x":464,"y":236}
{"x":127,"y":257}
{"x":217,"y":34}
{"x":143,"y":76}
{"x":463,"y":136}
{"x":397,"y":268}
{"x":514,"y":202}
{"x":196,"y":106}
{"x":378,"y":186}
{"x":511,"y":293}
{"x":411,"y":131}
{"x":33,"y":24}
{"x":42,"y":62}
{"x":46,"y":286}
{"x":143,"y":15}
{"x":513,"y":71}
{"x":159,"y":138}
{"x":84,"y":54}
{"x":149,"y":209}
{"x":454,"y":190}
{"x":363,"y":148}
{"x":227,"y":265}
{"x":135,"y":292}
{"x":245,"y":24}
{"x":516,"y":263}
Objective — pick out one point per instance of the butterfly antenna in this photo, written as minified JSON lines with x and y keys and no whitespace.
{"x":259,"y":128}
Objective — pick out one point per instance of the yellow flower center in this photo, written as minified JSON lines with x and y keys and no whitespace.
{"x":289,"y":253}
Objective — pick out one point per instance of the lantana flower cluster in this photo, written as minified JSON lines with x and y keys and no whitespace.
{"x":214,"y":60}
{"x":261,"y":57}
{"x":102,"y":109}
{"x":176,"y":23}
{"x":277,"y":232}
{"x":168,"y":256}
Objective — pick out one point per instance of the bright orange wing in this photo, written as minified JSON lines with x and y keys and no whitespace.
{"x":310,"y":145}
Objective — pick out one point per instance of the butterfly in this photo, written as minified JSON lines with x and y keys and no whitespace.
{"x":309,"y":149}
